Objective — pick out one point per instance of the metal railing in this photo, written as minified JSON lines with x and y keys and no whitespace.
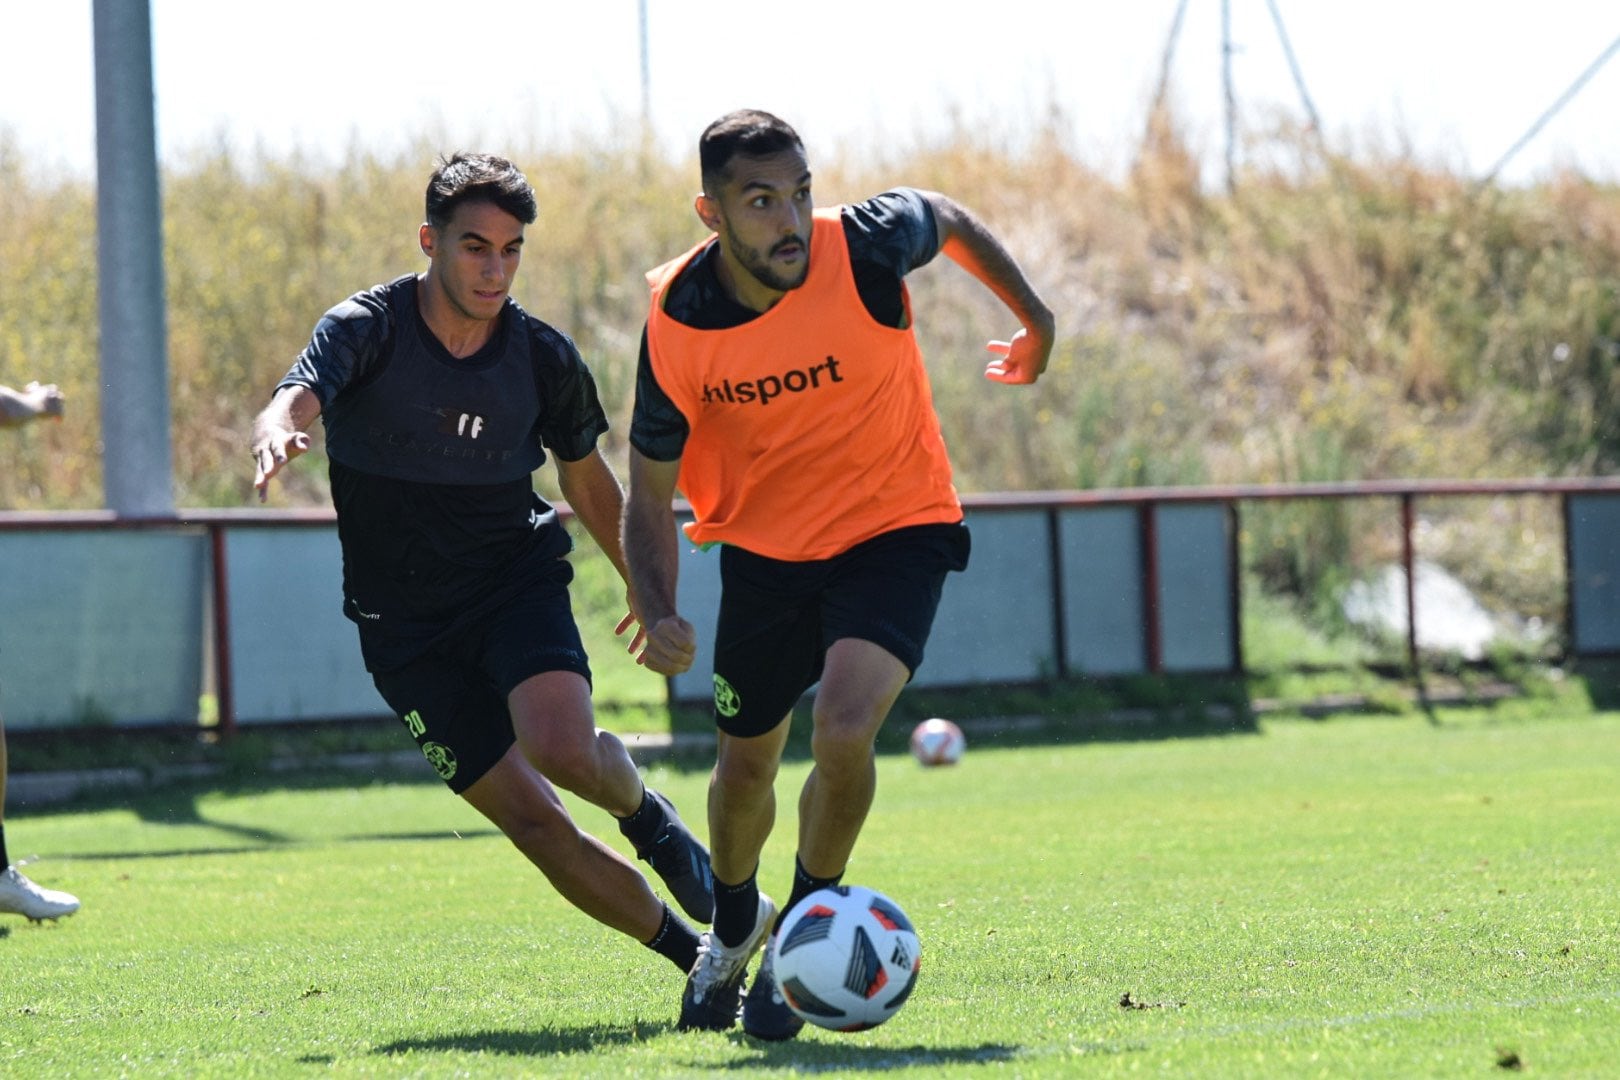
{"x":1406,"y":492}
{"x":1146,"y":502}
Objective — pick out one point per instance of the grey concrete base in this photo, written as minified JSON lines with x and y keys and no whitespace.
{"x":30,"y":790}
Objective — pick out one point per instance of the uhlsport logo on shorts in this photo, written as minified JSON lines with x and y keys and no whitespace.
{"x":441,"y":758}
{"x":726,"y":700}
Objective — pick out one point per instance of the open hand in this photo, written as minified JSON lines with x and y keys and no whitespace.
{"x":1020,"y":361}
{"x":271,"y":450}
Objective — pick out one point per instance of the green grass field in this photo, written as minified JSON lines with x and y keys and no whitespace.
{"x":1383,"y":896}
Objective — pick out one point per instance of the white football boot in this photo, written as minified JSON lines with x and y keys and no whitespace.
{"x":713,"y":995}
{"x":19,"y":896}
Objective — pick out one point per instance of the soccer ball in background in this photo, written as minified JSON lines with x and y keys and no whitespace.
{"x":846,"y":958}
{"x":937,"y":742}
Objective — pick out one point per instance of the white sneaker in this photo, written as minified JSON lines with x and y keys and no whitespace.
{"x":713,"y":992}
{"x":19,"y":896}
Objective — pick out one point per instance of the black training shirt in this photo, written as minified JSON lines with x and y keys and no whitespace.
{"x":430,"y":460}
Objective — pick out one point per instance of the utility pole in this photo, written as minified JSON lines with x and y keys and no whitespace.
{"x":137,"y":462}
{"x":1231,"y":96}
{"x":1228,"y":82}
{"x":646,"y":72}
{"x":1165,"y":63}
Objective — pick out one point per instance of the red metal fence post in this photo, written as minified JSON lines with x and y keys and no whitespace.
{"x":1150,"y":588}
{"x":1409,"y":563}
{"x":224,"y":691}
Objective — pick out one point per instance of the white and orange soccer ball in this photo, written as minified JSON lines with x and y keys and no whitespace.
{"x":846,"y":958}
{"x":937,"y":742}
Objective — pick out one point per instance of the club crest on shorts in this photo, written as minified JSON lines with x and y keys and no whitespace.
{"x":441,"y":758}
{"x":726,"y":699}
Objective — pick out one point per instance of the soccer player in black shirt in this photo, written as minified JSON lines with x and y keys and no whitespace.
{"x":440,"y":396}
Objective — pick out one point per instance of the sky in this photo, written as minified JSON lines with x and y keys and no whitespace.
{"x":1458,"y":83}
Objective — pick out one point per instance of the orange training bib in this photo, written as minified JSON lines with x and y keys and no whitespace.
{"x":812,"y":425}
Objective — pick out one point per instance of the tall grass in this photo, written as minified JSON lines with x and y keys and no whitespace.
{"x":1334,"y":318}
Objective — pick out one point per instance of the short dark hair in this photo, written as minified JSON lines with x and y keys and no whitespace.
{"x":463,"y":178}
{"x":747,"y":131}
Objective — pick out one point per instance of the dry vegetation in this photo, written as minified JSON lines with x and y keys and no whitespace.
{"x":1332,"y":319}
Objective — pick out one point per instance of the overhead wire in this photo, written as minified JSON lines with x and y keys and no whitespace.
{"x":1231,"y":95}
{"x":1169,"y":56}
{"x":1552,"y":110}
{"x":1293,"y":67}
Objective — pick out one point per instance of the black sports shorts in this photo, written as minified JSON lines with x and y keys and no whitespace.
{"x":778,"y":618}
{"x":452,"y":699}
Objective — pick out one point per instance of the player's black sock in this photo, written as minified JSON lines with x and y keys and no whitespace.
{"x":803,"y":885}
{"x":675,"y":941}
{"x":735,"y":908}
{"x":640,"y":826}
{"x":4,"y":862}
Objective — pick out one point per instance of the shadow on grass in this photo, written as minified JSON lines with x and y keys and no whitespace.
{"x":807,"y":1054}
{"x":1602,"y":675}
{"x":180,"y":804}
{"x":184,"y":810}
{"x":546,"y":1041}
{"x":194,"y":852}
{"x":174,"y":800}
{"x":815,"y":1056}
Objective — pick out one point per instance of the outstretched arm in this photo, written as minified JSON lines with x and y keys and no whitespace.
{"x":33,"y":402}
{"x":278,"y":433}
{"x":652,"y":553}
{"x":966,"y":241}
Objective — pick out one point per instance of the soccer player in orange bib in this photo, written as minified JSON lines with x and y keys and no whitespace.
{"x":782,"y":391}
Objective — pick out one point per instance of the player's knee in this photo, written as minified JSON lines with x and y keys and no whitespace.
{"x":535,"y":820}
{"x":745,"y":772}
{"x":842,"y":737}
{"x":840,"y":756}
{"x":544,"y":830}
{"x":570,"y":763}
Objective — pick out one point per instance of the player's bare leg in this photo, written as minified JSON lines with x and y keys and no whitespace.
{"x":859,"y":685}
{"x":742,"y":810}
{"x":556,"y":731}
{"x":586,"y":872}
{"x":742,"y":800}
